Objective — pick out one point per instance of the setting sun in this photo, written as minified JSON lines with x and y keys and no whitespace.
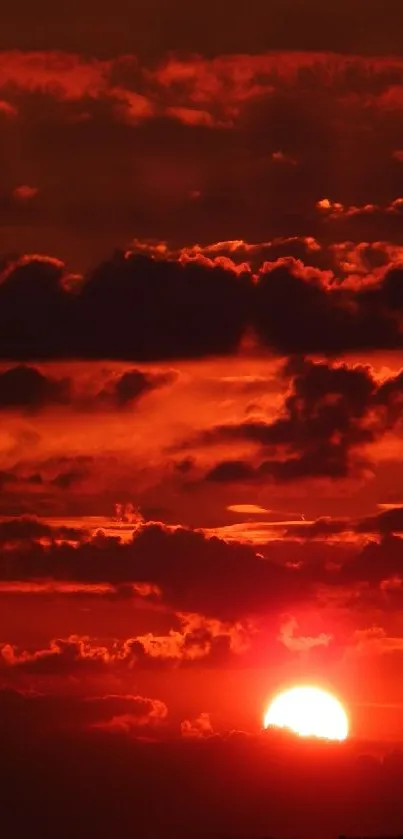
{"x":309,"y":712}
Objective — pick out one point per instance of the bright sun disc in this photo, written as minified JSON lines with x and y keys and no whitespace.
{"x":309,"y":712}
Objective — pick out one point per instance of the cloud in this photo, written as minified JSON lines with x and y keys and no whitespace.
{"x":377,"y":561}
{"x":372,"y":220}
{"x":200,"y":727}
{"x":196,"y":84}
{"x":298,"y":311}
{"x":322,"y":528}
{"x":129,"y":723}
{"x":27,"y":387}
{"x":320,"y":425}
{"x":136,"y":301}
{"x":293,"y":641}
{"x":140,"y":712}
{"x":255,"y":115}
{"x":198,"y":641}
{"x":64,"y":656}
{"x":50,"y":713}
{"x":68,"y":480}
{"x":231,"y":471}
{"x":32,"y":529}
{"x":385,"y":523}
{"x":374,"y":642}
{"x":247,"y":509}
{"x":154,"y":565}
{"x":293,"y":308}
{"x":244,"y":583}
{"x":331,"y":415}
{"x":210,"y":642}
{"x":131,"y":385}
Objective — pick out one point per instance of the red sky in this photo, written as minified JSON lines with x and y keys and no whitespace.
{"x":201,"y":394}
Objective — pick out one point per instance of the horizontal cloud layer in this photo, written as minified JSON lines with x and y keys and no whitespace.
{"x":255,"y":146}
{"x":222,"y":580}
{"x":136,"y":307}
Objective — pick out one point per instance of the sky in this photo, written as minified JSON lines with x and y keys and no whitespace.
{"x":201,"y":402}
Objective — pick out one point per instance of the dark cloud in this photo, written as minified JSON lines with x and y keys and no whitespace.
{"x":31,"y":529}
{"x":68,"y":480}
{"x":376,"y":561}
{"x":330,"y":413}
{"x":224,"y":580}
{"x":231,"y":471}
{"x":50,"y":713}
{"x":298,"y":311}
{"x":386,"y":522}
{"x":150,"y":309}
{"x":27,"y":387}
{"x":322,"y":421}
{"x":130,"y":386}
{"x":144,"y":310}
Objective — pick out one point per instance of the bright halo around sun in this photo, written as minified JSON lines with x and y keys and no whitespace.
{"x":309,"y":712}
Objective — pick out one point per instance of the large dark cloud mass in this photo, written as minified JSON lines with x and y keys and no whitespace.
{"x":135,"y":307}
{"x":329,"y":414}
{"x":128,"y":308}
{"x":222,"y":580}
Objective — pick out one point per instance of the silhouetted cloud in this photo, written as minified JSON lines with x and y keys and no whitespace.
{"x":151,"y":309}
{"x":247,"y":583}
{"x":26,"y":387}
{"x":52,"y":713}
{"x":31,"y":529}
{"x":321,"y":423}
{"x":159,"y":555}
{"x":130,"y":386}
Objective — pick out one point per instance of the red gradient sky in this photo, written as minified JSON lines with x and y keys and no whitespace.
{"x":201,"y":318}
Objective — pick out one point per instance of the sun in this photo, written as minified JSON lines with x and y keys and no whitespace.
{"x":309,"y":712}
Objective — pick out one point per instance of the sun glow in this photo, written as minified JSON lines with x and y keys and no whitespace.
{"x":309,"y":712}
